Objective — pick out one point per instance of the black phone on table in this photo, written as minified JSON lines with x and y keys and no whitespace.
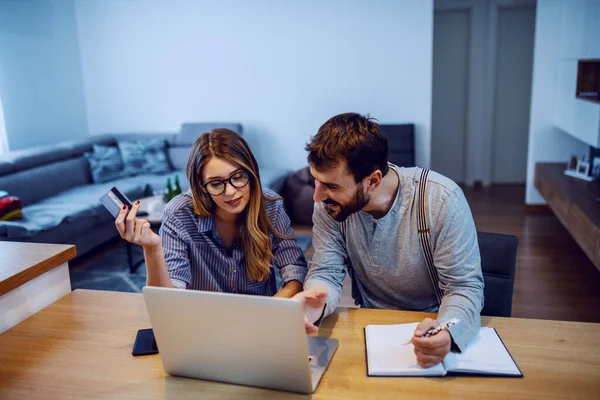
{"x":144,"y":344}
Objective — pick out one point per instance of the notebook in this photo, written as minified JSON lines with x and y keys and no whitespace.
{"x":387,"y":355}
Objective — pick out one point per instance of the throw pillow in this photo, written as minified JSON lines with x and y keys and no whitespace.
{"x":10,"y":208}
{"x":145,"y":156}
{"x":105,"y":164}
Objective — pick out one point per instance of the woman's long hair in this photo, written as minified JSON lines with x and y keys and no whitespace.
{"x":254,"y":233}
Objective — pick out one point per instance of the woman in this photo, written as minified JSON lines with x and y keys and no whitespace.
{"x":225,"y":232}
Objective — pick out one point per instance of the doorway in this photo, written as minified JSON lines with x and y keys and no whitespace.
{"x":451,"y":41}
{"x":512,"y":101}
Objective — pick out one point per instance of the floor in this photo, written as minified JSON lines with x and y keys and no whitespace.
{"x":555,"y":279}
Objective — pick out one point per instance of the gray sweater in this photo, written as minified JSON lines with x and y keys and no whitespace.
{"x":386,"y":258}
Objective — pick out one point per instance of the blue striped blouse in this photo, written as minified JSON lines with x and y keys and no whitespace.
{"x":197,"y":259}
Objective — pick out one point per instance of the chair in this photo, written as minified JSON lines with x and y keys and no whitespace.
{"x":401,"y":144}
{"x":498,"y":260}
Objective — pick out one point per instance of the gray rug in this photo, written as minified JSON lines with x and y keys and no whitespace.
{"x":111,"y":272}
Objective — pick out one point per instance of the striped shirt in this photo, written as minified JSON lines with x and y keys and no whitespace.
{"x":197,"y":259}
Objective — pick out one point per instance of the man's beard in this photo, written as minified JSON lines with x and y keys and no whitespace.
{"x":359,"y":201}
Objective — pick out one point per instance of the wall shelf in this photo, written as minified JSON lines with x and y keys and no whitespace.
{"x":588,"y":80}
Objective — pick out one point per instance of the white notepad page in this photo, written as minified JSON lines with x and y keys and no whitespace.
{"x":387,"y":355}
{"x":485,"y":355}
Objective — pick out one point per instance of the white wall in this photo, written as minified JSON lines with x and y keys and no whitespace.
{"x":40,"y":74}
{"x":546,"y":142}
{"x":281,"y":68}
{"x":3,"y":138}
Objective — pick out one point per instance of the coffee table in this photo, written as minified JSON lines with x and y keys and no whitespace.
{"x":153,"y":205}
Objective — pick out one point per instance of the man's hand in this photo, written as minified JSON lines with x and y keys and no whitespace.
{"x":312,"y":301}
{"x":430,"y":351}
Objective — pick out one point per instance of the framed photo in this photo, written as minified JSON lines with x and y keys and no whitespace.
{"x":596,"y":168}
{"x":583,"y":168}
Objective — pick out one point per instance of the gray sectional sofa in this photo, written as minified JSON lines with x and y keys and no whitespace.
{"x":61,"y":202}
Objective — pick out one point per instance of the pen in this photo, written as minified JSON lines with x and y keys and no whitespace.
{"x":434,"y":331}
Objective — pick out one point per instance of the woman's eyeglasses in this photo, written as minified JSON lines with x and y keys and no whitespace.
{"x":237,"y":180}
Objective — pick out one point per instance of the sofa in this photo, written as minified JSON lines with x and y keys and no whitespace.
{"x":61,"y":202}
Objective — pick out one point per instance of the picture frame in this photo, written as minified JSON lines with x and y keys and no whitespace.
{"x":581,"y":171}
{"x":596,"y":168}
{"x":583,"y":168}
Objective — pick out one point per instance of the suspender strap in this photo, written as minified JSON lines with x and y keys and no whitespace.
{"x":424,"y":234}
{"x":424,"y":238}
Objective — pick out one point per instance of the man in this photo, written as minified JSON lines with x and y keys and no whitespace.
{"x":366,"y":221}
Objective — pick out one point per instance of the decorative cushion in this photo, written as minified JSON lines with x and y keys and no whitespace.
{"x":298,"y":196}
{"x":105,"y":164}
{"x":145,"y":156}
{"x":10,"y":208}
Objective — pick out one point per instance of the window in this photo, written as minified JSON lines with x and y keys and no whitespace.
{"x":3,"y":137}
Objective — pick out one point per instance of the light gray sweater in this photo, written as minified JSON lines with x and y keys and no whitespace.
{"x":386,"y":258}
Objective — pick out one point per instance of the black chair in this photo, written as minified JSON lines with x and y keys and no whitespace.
{"x":498,"y":261}
{"x":401,"y":144}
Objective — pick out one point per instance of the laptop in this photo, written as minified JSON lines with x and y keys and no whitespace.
{"x":242,"y":339}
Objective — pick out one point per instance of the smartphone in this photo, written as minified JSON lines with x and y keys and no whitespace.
{"x":114,"y":201}
{"x":144,"y":344}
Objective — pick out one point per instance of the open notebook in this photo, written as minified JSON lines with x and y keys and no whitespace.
{"x":387,"y":355}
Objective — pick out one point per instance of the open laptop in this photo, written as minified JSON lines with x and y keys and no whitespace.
{"x":242,"y":339}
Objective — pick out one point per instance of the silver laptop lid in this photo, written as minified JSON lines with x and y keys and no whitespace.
{"x":242,"y":339}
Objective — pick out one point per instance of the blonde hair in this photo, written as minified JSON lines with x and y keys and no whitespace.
{"x":254,"y":233}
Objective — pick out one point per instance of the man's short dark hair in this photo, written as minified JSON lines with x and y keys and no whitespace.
{"x":356,"y":138}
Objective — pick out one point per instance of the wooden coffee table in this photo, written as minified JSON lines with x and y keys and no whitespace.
{"x":153,"y":205}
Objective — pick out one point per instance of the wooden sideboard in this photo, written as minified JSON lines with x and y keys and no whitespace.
{"x":575,"y":202}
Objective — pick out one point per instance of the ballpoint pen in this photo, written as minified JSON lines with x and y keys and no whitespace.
{"x":434,"y":331}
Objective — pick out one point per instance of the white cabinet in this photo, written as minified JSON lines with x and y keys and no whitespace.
{"x":572,"y":29}
{"x":579,"y":40}
{"x":592,"y":30}
{"x":579,"y":29}
{"x":578,"y":118}
{"x":564,"y":104}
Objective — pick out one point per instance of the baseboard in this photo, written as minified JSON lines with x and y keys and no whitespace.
{"x":537,"y":209}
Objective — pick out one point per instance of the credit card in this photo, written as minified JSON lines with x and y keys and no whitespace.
{"x":114,"y":201}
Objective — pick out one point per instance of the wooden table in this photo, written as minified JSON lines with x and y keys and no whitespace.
{"x":80,"y":347}
{"x":32,"y":275}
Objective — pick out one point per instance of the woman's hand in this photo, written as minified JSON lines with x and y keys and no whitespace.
{"x":136,"y":230}
{"x":292,"y":288}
